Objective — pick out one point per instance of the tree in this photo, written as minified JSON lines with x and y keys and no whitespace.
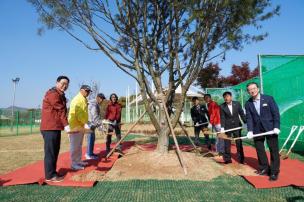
{"x":209,"y":77}
{"x":255,"y":72}
{"x":166,"y":42}
{"x":240,"y":74}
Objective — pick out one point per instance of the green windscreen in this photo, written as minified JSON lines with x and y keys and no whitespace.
{"x":283,"y":78}
{"x":239,"y":92}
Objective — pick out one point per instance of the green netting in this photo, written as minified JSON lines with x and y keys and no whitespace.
{"x":283,"y":78}
{"x":239,"y":92}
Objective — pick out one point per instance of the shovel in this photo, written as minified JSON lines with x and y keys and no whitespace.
{"x":222,"y":134}
{"x":285,"y":156}
{"x":197,"y":125}
{"x":255,"y":135}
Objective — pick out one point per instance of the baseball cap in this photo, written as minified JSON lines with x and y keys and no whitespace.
{"x":101,"y":95}
{"x":86,"y":88}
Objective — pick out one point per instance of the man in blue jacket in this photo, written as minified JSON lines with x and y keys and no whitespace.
{"x":262,"y":114}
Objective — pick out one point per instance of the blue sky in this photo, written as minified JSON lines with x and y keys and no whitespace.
{"x":38,"y":60}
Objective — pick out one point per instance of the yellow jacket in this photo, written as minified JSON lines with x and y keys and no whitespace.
{"x":78,"y":114}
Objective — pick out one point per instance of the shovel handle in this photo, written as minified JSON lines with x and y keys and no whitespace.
{"x":256,"y":135}
{"x":216,"y":133}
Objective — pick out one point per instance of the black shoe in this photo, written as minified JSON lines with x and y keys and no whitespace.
{"x":273,"y":177}
{"x":209,"y":147}
{"x":197,"y":144}
{"x":55,"y":179}
{"x":227,"y":162}
{"x":107,"y":152}
{"x":264,"y":172}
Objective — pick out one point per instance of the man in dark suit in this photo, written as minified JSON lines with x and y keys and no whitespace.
{"x":262,"y":114}
{"x":199,"y":114}
{"x":231,"y":112}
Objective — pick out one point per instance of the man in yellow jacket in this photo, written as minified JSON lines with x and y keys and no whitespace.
{"x":78,"y":119}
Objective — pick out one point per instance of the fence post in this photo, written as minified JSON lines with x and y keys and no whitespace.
{"x":31,"y":121}
{"x":0,"y":118}
{"x":17,"y":122}
{"x":242,"y":99}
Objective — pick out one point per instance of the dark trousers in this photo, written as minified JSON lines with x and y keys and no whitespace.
{"x":197,"y":131}
{"x":51,"y":150}
{"x":109,"y":137}
{"x":273,"y":144}
{"x":239,"y":147}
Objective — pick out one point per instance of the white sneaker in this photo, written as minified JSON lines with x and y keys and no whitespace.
{"x":77,"y":167}
{"x":91,"y":157}
{"x":83,"y":163}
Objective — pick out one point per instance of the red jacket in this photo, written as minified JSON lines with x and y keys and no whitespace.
{"x":214,"y":113}
{"x":113,"y":112}
{"x":54,"y":111}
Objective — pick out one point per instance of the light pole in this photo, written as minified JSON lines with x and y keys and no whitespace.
{"x":15,"y":82}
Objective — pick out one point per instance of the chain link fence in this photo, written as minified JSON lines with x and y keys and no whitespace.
{"x":22,"y":123}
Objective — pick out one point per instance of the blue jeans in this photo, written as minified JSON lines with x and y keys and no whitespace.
{"x":219,"y":143}
{"x":90,"y":141}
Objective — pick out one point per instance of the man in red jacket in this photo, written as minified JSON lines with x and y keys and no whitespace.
{"x":215,"y":122}
{"x":53,"y":120}
{"x":113,"y":114}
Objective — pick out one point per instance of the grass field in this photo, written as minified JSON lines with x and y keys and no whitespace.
{"x":224,"y":188}
{"x":17,"y":151}
{"x":21,"y":130}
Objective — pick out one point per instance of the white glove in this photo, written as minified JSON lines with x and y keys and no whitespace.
{"x":222,"y":130}
{"x":100,"y":128}
{"x":114,"y":122}
{"x":210,"y":125}
{"x":86,"y":126}
{"x":67,"y":128}
{"x":250,"y":135}
{"x":276,"y":131}
{"x":197,"y":124}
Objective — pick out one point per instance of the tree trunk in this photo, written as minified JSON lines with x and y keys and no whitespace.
{"x":163,"y":142}
{"x":163,"y":136}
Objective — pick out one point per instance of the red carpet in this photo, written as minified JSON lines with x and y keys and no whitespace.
{"x":291,"y":171}
{"x":34,"y":173}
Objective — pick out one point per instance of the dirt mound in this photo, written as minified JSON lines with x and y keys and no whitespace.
{"x":90,"y":176}
{"x":138,"y":164}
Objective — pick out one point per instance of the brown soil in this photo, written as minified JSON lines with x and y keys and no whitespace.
{"x":90,"y":176}
{"x":138,"y":164}
{"x":148,"y":129}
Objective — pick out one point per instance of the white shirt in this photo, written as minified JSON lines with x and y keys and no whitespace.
{"x":230,"y":107}
{"x":256,"y":103}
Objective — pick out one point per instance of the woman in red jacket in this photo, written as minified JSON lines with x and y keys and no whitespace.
{"x":113,"y":114}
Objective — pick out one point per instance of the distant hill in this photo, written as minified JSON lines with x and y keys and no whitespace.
{"x":16,"y":108}
{"x":8,"y":111}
